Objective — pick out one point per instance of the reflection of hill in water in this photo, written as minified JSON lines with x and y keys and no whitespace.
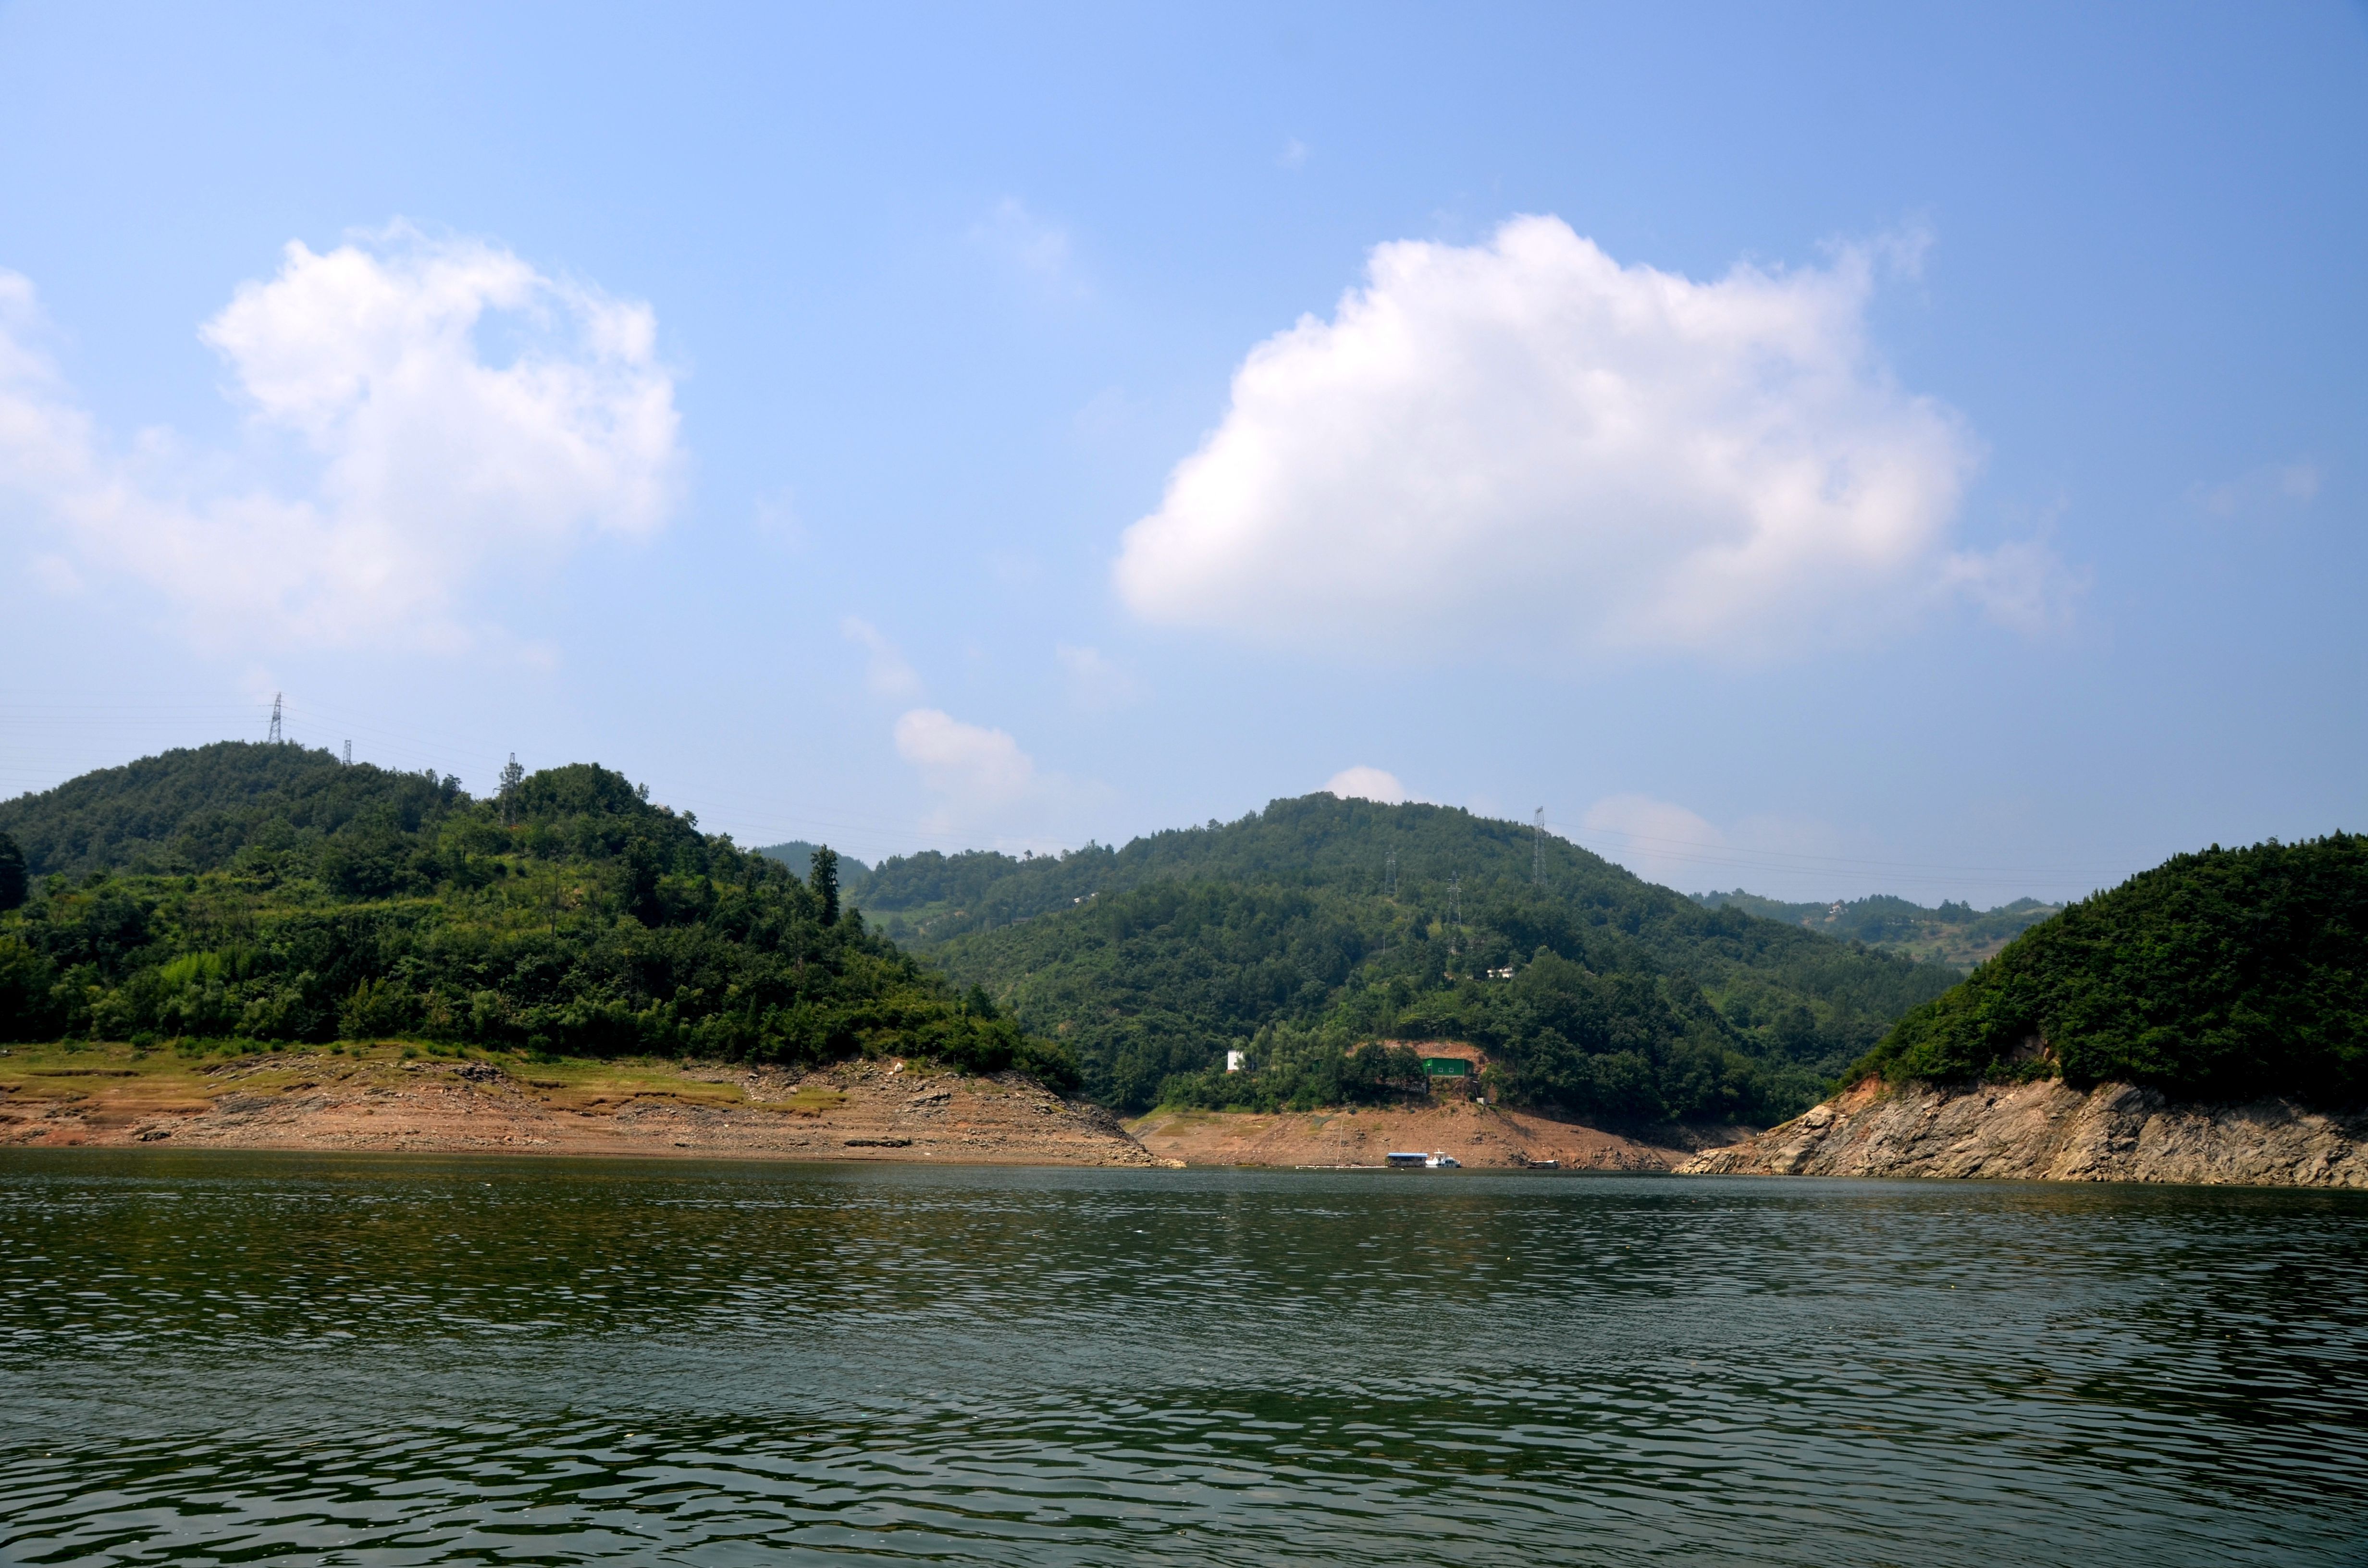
{"x":308,"y":1357}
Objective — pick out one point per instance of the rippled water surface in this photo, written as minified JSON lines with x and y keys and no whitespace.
{"x":247,"y":1358}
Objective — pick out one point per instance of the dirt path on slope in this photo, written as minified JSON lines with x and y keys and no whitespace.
{"x":376,"y":1098}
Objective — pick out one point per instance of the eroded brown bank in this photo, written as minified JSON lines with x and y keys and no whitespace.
{"x":1476,"y":1134}
{"x":383,"y":1101}
{"x":2049,"y":1132}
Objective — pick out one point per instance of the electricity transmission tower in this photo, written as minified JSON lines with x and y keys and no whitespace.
{"x":349,"y":754}
{"x":276,"y":737}
{"x":512,"y":777}
{"x":1455,"y":914}
{"x":1389,"y":876}
{"x":1538,"y":851}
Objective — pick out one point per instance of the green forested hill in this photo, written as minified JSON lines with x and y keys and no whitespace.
{"x":1319,"y":923}
{"x":195,"y":809}
{"x":2227,"y":974}
{"x":255,"y":892}
{"x":1955,"y":934}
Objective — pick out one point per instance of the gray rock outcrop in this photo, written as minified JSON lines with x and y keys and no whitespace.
{"x":2049,"y":1132}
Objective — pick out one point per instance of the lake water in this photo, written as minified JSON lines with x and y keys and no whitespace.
{"x":255,"y":1358}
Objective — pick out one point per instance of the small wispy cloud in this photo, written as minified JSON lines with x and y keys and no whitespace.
{"x":1095,"y":683}
{"x":886,"y":673}
{"x":776,"y":520}
{"x":2271,"y":486}
{"x":1294,"y":154}
{"x":1033,"y":247}
{"x":2022,"y":585}
{"x":56,"y":576}
{"x":1105,"y":411}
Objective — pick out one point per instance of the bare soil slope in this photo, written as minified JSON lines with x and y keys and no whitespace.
{"x":1479,"y":1135}
{"x":2049,"y":1132}
{"x":379,"y":1099}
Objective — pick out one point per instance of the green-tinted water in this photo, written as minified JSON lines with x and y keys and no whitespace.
{"x":256,"y":1359}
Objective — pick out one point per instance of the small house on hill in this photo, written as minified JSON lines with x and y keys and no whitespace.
{"x":1453,"y":1066}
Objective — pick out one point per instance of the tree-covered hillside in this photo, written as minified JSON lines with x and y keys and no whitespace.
{"x":262,"y":893}
{"x":196,"y":809}
{"x":1301,"y":931}
{"x":2222,"y":975}
{"x":1954,"y":934}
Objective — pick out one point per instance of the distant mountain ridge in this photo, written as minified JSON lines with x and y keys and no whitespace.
{"x":798,"y":856}
{"x":1954,"y":933}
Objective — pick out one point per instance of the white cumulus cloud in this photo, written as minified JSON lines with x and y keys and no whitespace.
{"x":972,"y":761}
{"x":1362,"y":783}
{"x":966,"y":759}
{"x":1524,"y":442}
{"x":986,"y":786}
{"x":423,"y":414}
{"x":983,"y":785}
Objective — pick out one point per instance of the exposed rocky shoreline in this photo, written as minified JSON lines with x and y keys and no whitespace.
{"x":2048,"y":1130}
{"x":1479,"y":1135}
{"x":855,"y":1111}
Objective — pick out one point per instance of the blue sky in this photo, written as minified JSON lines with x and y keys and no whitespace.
{"x":1821,"y":450}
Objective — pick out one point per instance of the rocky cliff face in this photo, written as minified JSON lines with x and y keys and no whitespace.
{"x":2047,"y":1131}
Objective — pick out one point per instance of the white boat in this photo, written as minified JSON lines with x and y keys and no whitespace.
{"x":1444,"y":1162}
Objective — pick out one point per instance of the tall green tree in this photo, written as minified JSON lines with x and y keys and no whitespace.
{"x":12,"y":873}
{"x":824,"y":879}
